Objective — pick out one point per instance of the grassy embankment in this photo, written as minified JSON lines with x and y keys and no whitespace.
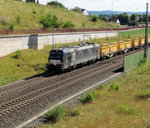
{"x":28,"y":15}
{"x":123,"y":103}
{"x":32,"y":62}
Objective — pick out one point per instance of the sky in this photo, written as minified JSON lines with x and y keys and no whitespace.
{"x":99,"y":5}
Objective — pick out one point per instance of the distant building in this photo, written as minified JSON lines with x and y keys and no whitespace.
{"x":137,"y":18}
{"x":118,"y":22}
{"x":85,"y":12}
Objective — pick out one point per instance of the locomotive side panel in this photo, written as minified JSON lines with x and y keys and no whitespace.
{"x":82,"y":55}
{"x":66,"y":60}
{"x":85,"y":55}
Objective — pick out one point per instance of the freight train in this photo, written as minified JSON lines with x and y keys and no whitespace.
{"x":70,"y":57}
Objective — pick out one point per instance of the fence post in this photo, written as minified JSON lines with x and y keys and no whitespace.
{"x":131,"y":63}
{"x":137,"y":57}
{"x":124,"y":63}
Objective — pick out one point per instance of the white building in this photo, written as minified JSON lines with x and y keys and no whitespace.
{"x":118,"y":22}
{"x":85,"y":12}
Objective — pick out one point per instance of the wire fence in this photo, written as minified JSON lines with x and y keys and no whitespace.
{"x":134,"y":60}
{"x":148,"y":55}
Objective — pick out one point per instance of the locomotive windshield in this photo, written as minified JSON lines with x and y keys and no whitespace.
{"x":56,"y":55}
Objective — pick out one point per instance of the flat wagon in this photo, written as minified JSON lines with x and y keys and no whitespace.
{"x":104,"y":51}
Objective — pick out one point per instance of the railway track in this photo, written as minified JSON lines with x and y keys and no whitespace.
{"x":41,"y":93}
{"x":28,"y":84}
{"x":27,"y":93}
{"x":39,"y":80}
{"x":22,"y":88}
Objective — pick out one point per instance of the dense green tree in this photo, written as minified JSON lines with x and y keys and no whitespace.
{"x":134,"y":20}
{"x":104,"y":18}
{"x":133,"y":23}
{"x":68,"y":24}
{"x":124,"y":19}
{"x":134,"y":17}
{"x":94,"y":18}
{"x":144,"y":17}
{"x":32,"y":1}
{"x":50,"y":21}
{"x":140,"y":18}
{"x":56,"y":4}
{"x":77,"y":9}
{"x":114,"y":18}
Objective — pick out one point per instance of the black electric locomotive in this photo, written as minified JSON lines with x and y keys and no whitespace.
{"x":73,"y":56}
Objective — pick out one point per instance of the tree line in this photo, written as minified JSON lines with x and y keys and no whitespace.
{"x":52,"y":3}
{"x":125,"y":19}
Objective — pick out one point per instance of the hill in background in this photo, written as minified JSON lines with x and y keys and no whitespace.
{"x":110,"y":12}
{"x":21,"y":15}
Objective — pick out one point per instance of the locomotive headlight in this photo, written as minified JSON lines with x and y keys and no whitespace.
{"x":50,"y":61}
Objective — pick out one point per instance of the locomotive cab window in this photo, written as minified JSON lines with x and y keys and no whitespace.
{"x":56,"y":55}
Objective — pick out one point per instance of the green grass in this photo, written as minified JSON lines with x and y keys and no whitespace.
{"x":31,"y":62}
{"x":115,"y":109}
{"x":56,"y":114}
{"x":133,"y":33}
{"x":88,"y":98}
{"x":72,"y":112}
{"x":114,"y":87}
{"x":28,"y":15}
{"x":124,"y":109}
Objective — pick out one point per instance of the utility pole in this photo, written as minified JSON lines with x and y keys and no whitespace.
{"x":53,"y":38}
{"x":112,"y":9}
{"x":146,"y":33}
